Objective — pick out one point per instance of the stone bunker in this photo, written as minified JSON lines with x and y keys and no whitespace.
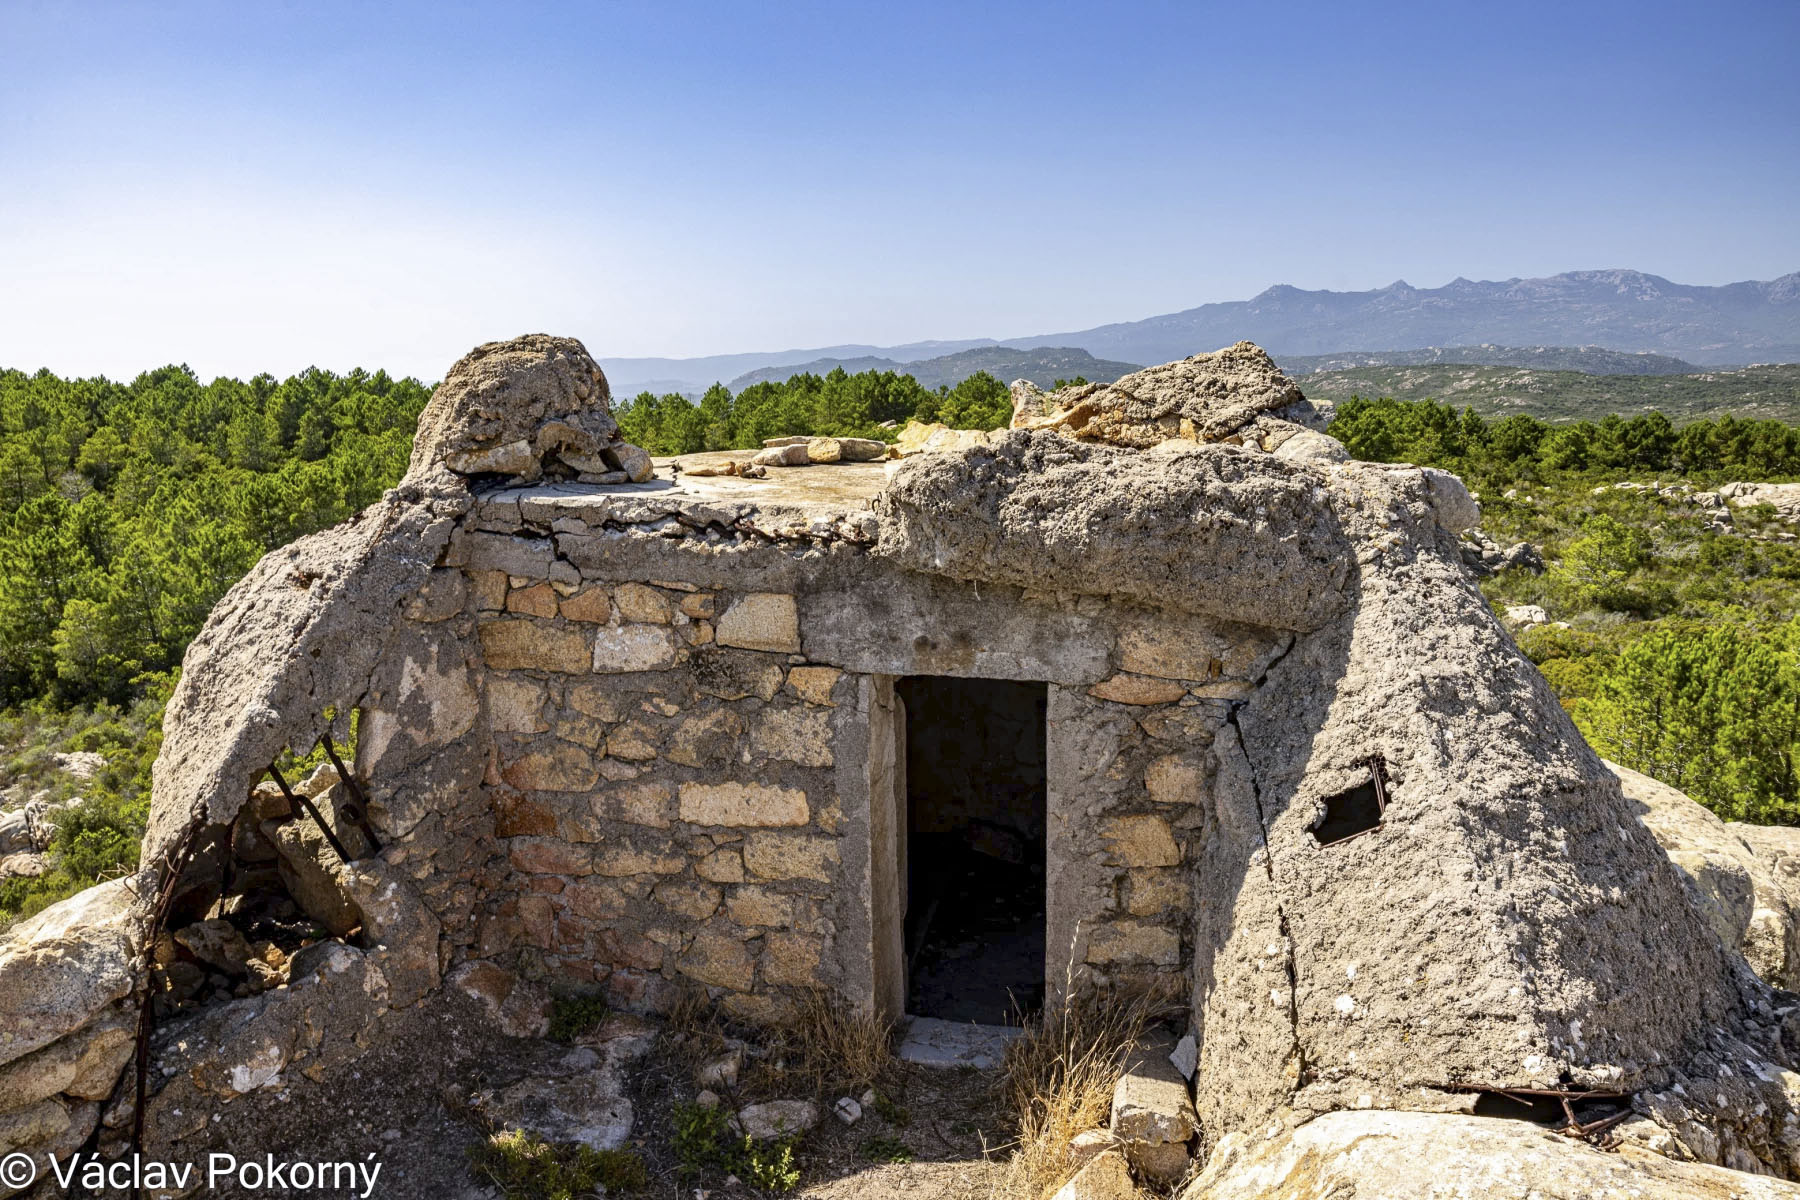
{"x":1154,"y":688}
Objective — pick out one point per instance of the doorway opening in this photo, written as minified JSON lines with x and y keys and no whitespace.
{"x":976,"y":839}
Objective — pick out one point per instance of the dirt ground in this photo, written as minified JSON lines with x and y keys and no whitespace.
{"x":408,"y":1102}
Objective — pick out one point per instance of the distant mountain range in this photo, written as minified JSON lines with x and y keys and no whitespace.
{"x":1043,"y":367}
{"x":1626,"y":311}
{"x":1591,"y":360}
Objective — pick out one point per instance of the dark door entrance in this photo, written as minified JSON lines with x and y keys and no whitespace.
{"x":975,"y":853}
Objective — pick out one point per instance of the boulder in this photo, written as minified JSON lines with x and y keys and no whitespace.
{"x":16,"y":866}
{"x":1037,"y":511}
{"x":1105,"y":1177}
{"x":918,"y":437}
{"x":313,"y":874}
{"x":216,"y":944}
{"x":777,"y":1118}
{"x":67,"y":965}
{"x":587,"y":1107}
{"x":509,"y":408}
{"x":862,"y":449}
{"x":1153,"y":1113}
{"x":1311,"y":446}
{"x":1525,"y":615}
{"x":49,"y":1130}
{"x":782,"y":456}
{"x":1430,"y":1156}
{"x":1749,"y":898}
{"x":85,"y":1064}
{"x":585,"y":1099}
{"x":1203,"y":398}
{"x":16,"y":833}
{"x":1773,"y":937}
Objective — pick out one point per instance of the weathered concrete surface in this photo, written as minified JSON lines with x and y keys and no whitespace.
{"x":931,"y":1042}
{"x":1426,"y":1156}
{"x":515,"y":407}
{"x":1217,"y":530}
{"x":1501,"y":824}
{"x":303,"y":631}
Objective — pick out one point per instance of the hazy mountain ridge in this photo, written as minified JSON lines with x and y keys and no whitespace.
{"x":1042,"y":366}
{"x":1762,"y":392}
{"x":1752,"y":321}
{"x":1591,"y":360}
{"x":1755,"y":321}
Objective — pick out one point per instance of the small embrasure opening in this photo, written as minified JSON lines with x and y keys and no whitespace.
{"x":976,"y":841}
{"x":1357,"y":810}
{"x":1581,"y":1113}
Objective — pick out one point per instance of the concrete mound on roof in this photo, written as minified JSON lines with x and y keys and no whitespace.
{"x":1237,"y":394}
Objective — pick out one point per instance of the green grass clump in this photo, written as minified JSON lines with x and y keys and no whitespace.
{"x":528,"y":1168}
{"x":705,"y":1143}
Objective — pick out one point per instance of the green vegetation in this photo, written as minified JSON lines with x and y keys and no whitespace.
{"x":526,"y":1168}
{"x":97,"y":833}
{"x":705,"y":1144}
{"x":1767,"y":392}
{"x":1681,"y":656}
{"x":573,"y":1015}
{"x":837,"y":405}
{"x":126,"y":511}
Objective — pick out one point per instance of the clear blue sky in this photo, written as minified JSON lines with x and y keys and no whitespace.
{"x":263,"y":186}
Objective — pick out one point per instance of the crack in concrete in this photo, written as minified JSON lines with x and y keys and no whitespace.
{"x":1262,"y":822}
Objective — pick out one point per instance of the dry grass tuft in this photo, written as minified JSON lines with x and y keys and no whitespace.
{"x":836,"y":1046}
{"x":826,"y":1046}
{"x":692,"y":1029}
{"x":1058,"y":1079}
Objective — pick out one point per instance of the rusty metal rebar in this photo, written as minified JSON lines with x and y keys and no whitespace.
{"x":305,"y":804}
{"x":357,"y":811}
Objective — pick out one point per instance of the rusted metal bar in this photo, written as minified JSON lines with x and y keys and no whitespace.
{"x":1602,"y":1125}
{"x":1559,"y":1093}
{"x":357,"y":811}
{"x":176,"y":867}
{"x":1378,"y":772}
{"x":302,"y":802}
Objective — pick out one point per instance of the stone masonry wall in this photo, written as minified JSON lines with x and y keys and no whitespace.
{"x":664,"y":782}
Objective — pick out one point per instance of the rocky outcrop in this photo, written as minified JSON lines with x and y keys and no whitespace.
{"x":68,"y":991}
{"x":520,"y":409}
{"x":1784,"y":498}
{"x":1745,"y":879}
{"x":1237,"y":394}
{"x":1484,"y":556}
